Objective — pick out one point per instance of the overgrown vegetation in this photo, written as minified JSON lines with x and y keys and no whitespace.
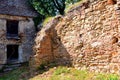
{"x":71,"y":6}
{"x":14,"y":75}
{"x":50,"y":8}
{"x":67,"y":73}
{"x":46,"y":20}
{"x":57,"y":73}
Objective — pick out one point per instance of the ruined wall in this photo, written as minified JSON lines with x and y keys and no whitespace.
{"x":26,"y":32}
{"x":88,"y":37}
{"x":43,"y":45}
{"x":91,"y":36}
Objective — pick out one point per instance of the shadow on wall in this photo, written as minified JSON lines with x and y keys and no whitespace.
{"x":61,"y":55}
{"x":50,"y":53}
{"x":49,"y":48}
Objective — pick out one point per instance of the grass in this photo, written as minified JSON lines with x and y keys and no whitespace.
{"x":65,"y":73}
{"x":46,"y":20}
{"x":107,"y":77}
{"x":13,"y":75}
{"x":61,"y":70}
{"x":58,"y":73}
{"x":71,"y":6}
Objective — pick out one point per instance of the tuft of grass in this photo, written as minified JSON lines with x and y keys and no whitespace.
{"x":41,"y":67}
{"x":101,"y":77}
{"x":113,"y":77}
{"x":61,"y":70}
{"x":46,"y":20}
{"x":107,"y":77}
{"x":14,"y":75}
{"x":64,"y":73}
{"x":71,"y":6}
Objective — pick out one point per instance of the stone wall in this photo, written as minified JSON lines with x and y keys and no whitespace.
{"x":26,"y":32}
{"x":88,"y":37}
{"x":46,"y":43}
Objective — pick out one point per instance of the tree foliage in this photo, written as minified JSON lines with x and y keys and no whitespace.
{"x":51,"y":7}
{"x":48,"y":8}
{"x":59,"y":5}
{"x":44,"y":7}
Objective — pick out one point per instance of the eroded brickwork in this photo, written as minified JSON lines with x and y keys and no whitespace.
{"x":88,"y":37}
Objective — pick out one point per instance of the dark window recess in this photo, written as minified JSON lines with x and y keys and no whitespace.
{"x":12,"y":29}
{"x":12,"y":52}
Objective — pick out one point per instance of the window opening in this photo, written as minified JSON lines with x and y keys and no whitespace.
{"x":12,"y":29}
{"x":12,"y":52}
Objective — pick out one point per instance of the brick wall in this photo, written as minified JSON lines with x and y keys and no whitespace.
{"x":88,"y":37}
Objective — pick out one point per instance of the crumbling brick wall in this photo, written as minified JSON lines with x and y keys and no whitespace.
{"x":88,"y":36}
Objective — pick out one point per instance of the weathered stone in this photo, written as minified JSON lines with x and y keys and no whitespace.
{"x":110,"y":2}
{"x":26,"y":32}
{"x":88,"y":40}
{"x":114,"y":40}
